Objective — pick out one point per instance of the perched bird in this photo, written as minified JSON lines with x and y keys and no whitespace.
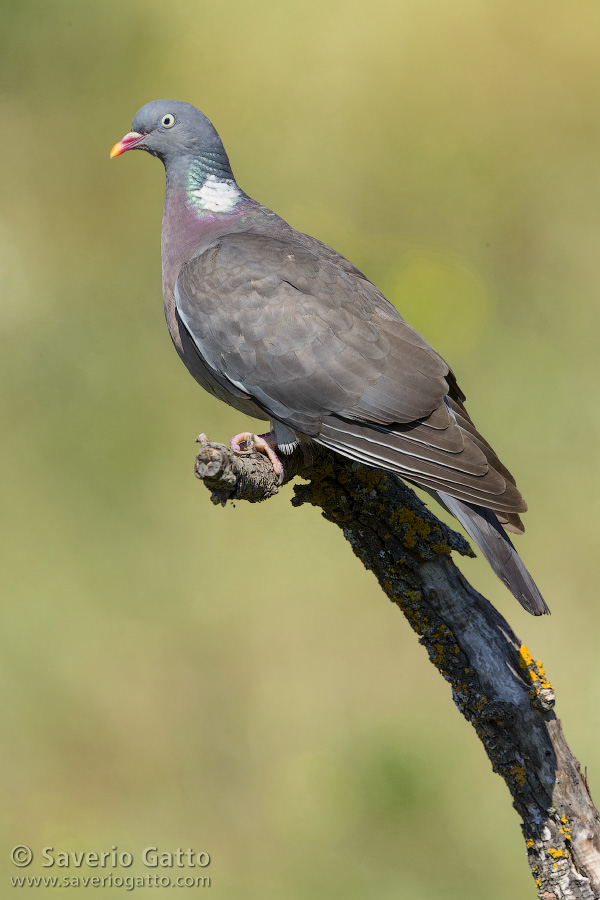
{"x":283,"y":328}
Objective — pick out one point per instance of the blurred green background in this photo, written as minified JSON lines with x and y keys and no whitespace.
{"x":231,"y":680}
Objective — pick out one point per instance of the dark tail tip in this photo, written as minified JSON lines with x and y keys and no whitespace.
{"x":485,"y":530}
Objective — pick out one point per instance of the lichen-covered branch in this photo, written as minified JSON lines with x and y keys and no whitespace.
{"x":496,"y":683}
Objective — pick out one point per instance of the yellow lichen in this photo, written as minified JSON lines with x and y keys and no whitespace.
{"x":519,"y":774}
{"x":534,"y":672}
{"x":415,"y":526}
{"x":526,"y":657}
{"x":441,"y":547}
{"x":481,"y":702}
{"x":555,"y":853}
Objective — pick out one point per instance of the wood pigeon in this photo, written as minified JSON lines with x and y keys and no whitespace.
{"x":283,"y":328}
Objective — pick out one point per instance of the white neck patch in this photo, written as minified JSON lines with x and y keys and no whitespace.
{"x":216,"y":195}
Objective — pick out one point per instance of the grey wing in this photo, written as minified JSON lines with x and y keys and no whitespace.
{"x":303,"y":336}
{"x":317,"y":347}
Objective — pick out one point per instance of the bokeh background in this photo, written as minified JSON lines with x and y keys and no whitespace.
{"x":177,"y":675}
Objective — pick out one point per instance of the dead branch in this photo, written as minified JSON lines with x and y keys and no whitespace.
{"x":496,"y":683}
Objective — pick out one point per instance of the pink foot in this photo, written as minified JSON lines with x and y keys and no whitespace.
{"x":263,"y":443}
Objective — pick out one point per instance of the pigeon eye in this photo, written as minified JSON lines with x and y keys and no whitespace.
{"x":168,"y":121}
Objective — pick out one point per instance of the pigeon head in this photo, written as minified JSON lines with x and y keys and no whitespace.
{"x":176,"y":132}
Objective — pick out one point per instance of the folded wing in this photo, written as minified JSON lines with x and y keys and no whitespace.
{"x":320,"y":349}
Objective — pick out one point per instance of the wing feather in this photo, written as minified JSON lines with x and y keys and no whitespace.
{"x":320,"y":349}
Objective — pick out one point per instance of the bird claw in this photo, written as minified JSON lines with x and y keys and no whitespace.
{"x":258,"y":443}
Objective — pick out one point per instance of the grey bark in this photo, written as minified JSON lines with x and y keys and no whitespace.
{"x":496,"y":683}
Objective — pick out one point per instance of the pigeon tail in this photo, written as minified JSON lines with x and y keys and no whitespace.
{"x":485,"y":530}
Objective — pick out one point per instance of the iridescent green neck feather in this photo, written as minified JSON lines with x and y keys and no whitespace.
{"x":210,"y":185}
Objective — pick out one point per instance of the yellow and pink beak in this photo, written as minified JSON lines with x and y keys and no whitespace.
{"x":129,"y":142}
